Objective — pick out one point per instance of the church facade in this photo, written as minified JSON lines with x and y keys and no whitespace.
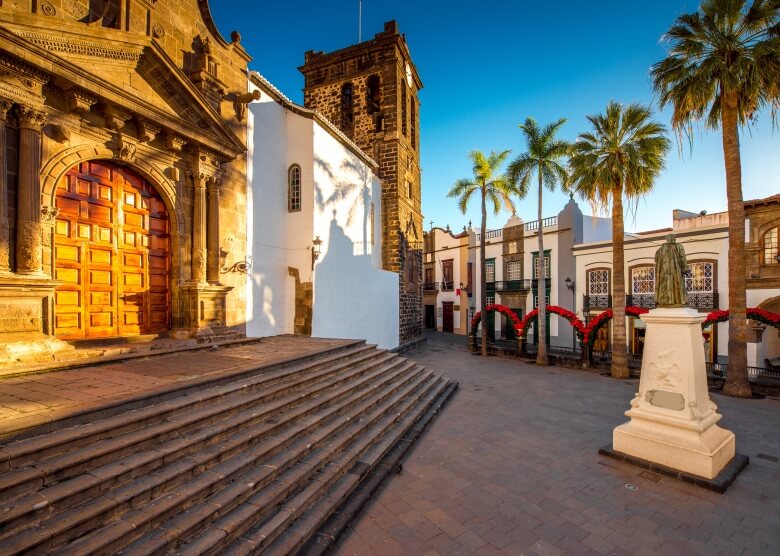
{"x":123,"y":172}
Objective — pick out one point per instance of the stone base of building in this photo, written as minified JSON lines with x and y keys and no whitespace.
{"x":26,"y":323}
{"x":672,"y":418}
{"x":205,"y":310}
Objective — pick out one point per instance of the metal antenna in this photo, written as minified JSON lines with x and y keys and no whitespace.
{"x":360,"y":21}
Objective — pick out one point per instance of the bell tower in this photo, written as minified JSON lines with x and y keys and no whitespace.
{"x":370,"y":92}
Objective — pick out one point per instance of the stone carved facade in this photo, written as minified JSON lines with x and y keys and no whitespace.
{"x":370,"y":92}
{"x":77,"y":85}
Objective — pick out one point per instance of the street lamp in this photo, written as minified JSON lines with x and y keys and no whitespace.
{"x":570,"y":285}
{"x":315,"y":250}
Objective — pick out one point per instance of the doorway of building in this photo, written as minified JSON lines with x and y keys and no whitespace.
{"x":447,"y":316}
{"x":430,"y":317}
{"x":112,"y":251}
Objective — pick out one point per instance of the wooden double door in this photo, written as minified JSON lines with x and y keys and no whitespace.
{"x":112,"y":251}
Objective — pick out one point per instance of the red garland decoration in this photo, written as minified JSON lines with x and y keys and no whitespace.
{"x":503,"y":309}
{"x":753,"y":313}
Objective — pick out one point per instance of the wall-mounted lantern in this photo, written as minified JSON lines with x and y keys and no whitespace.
{"x":316,"y":250}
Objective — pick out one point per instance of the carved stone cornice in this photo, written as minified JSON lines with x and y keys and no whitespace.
{"x":31,"y":118}
{"x":79,"y":102}
{"x":173,"y":143}
{"x":205,"y":161}
{"x":126,"y":148}
{"x":147,"y":131}
{"x":17,"y":66}
{"x":115,"y":117}
{"x":81,"y":47}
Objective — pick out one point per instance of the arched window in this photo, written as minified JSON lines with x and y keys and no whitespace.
{"x":643,"y":287}
{"x":599,"y":291}
{"x":373,"y":94}
{"x":294,"y":188}
{"x":769,"y":247}
{"x":347,"y":107}
{"x":404,"y":117}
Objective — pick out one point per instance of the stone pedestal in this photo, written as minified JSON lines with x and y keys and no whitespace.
{"x":205,"y":311}
{"x":26,"y":327}
{"x":672,"y":418}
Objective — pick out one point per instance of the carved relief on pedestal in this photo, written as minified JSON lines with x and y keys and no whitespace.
{"x":667,"y":371}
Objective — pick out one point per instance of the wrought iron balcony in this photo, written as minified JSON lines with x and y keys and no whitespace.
{"x":701,"y":301}
{"x":447,"y":286}
{"x":512,"y":286}
{"x":598,"y":301}
{"x":431,"y":287}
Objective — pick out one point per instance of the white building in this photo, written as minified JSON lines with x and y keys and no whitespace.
{"x":705,"y":240}
{"x":510,"y":256}
{"x":311,"y":189}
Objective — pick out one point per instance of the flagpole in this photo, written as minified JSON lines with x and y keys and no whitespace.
{"x":360,"y":21}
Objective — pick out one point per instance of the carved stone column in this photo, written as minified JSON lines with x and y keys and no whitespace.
{"x":212,"y":238}
{"x":199,"y":249}
{"x":28,"y":216}
{"x":5,"y":236}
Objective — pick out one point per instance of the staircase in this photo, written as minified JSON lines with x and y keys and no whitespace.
{"x":254,"y":465}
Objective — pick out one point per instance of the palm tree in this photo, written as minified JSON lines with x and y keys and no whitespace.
{"x":493,"y":187}
{"x":724,"y":66}
{"x":544,"y":157}
{"x":622,"y":155}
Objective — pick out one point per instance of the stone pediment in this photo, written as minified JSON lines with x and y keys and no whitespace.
{"x":137,"y":76}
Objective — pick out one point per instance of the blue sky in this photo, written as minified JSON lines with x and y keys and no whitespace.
{"x":487,"y":65}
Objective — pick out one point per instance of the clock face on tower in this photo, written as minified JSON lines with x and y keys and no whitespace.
{"x":408,"y":75}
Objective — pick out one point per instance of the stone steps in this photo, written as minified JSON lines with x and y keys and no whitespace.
{"x":93,"y":477}
{"x":255,"y":463}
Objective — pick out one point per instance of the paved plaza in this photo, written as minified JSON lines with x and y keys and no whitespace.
{"x":32,"y":399}
{"x":511,"y":467}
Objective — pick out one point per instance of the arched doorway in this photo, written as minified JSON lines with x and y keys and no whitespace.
{"x":112,"y":251}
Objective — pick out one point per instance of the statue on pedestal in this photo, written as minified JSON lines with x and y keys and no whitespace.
{"x":670,"y":269}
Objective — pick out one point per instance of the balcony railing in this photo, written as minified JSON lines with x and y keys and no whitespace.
{"x":447,"y":286}
{"x":490,"y":234}
{"x":431,"y":287}
{"x":512,"y":285}
{"x":546,"y":222}
{"x":701,"y":301}
{"x":598,"y":301}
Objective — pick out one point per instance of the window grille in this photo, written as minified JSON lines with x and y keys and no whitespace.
{"x":294,"y":188}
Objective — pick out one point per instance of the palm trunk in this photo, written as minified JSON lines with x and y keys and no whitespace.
{"x":482,"y":277}
{"x":736,"y":378}
{"x":619,"y":355}
{"x":541,"y":289}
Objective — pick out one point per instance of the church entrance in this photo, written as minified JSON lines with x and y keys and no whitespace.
{"x":112,"y":251}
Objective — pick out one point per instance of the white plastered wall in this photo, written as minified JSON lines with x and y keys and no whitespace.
{"x":353,"y":297}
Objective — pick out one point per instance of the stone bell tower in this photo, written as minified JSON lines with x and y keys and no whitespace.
{"x":370,"y":92}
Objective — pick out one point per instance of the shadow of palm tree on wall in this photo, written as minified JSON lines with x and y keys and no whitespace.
{"x":344,"y":189}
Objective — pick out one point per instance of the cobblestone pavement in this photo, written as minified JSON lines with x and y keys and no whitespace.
{"x":511,"y":467}
{"x":38,"y":398}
